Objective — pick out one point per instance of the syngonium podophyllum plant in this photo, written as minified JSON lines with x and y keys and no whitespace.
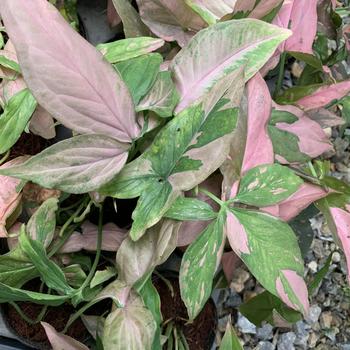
{"x":191,"y":131}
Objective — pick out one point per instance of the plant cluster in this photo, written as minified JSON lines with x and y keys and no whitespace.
{"x":179,"y":116}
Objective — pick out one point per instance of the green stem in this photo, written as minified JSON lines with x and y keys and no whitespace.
{"x":81,"y":217}
{"x":280,"y":74}
{"x":72,"y":217}
{"x":212,"y":196}
{"x":312,"y":169}
{"x":98,"y":250}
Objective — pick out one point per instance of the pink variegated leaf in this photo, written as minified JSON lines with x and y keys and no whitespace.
{"x":295,"y":137}
{"x":68,"y":76}
{"x":293,"y":14}
{"x":324,"y":95}
{"x":297,"y":202}
{"x":251,"y":145}
{"x":60,"y":341}
{"x":112,"y":238}
{"x":112,"y":16}
{"x":230,"y":262}
{"x":170,"y":19}
{"x":263,"y":8}
{"x":346,"y":36}
{"x":270,"y":250}
{"x":342,"y":222}
{"x":325,"y":118}
{"x":9,"y":197}
{"x":247,"y":43}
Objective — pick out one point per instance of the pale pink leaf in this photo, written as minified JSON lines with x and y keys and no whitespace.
{"x":112,"y":16}
{"x":324,"y":95}
{"x":297,"y":202}
{"x":170,"y":19}
{"x":233,"y":44}
{"x":112,"y":237}
{"x":258,"y":149}
{"x":68,"y":76}
{"x":342,"y":222}
{"x":237,"y":235}
{"x":9,"y":197}
{"x":42,"y":124}
{"x":61,"y":341}
{"x":263,"y":8}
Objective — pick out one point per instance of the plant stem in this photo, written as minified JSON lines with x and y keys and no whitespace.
{"x":280,"y":75}
{"x":312,"y":169}
{"x":212,"y":196}
{"x":25,"y":317}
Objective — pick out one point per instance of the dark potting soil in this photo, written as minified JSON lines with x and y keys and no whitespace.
{"x":55,"y":316}
{"x":28,"y":144}
{"x":200,"y":334}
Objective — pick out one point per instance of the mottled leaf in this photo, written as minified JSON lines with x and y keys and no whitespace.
{"x":41,"y":226}
{"x":199,"y":265}
{"x":77,"y":165}
{"x":122,"y":50}
{"x":162,"y":98}
{"x":102,"y":276}
{"x":15,"y":117}
{"x":129,"y":328}
{"x":267,"y":184}
{"x":48,"y":270}
{"x":270,"y":250}
{"x":136,"y":259}
{"x":86,"y":95}
{"x":234,"y":43}
{"x":212,"y":11}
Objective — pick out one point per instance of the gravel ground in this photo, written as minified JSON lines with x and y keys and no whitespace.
{"x":327,"y":326}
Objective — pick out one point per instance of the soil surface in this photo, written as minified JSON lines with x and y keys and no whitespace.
{"x":200,"y":334}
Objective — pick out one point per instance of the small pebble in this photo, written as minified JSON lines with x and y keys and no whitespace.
{"x":336,"y":257}
{"x":265,"y":345}
{"x":314,"y":314}
{"x":313,"y":266}
{"x":265,"y":332}
{"x":245,"y":326}
{"x":286,"y":341}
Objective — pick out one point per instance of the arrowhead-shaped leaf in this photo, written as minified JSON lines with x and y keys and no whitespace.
{"x":68,"y":76}
{"x":230,"y":341}
{"x":267,"y":184}
{"x":77,"y":165}
{"x":234,"y":43}
{"x":199,"y":265}
{"x":270,"y":250}
{"x":61,"y":341}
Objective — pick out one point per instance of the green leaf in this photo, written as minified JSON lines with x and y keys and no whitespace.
{"x":320,"y":275}
{"x":75,"y":275}
{"x":135,"y":317}
{"x":230,"y":340}
{"x":16,"y":269}
{"x":309,"y":59}
{"x":8,"y":294}
{"x":266,"y":185}
{"x":269,"y":248}
{"x":190,"y":209}
{"x":125,"y":49}
{"x":294,"y":94}
{"x":15,"y":117}
{"x":50,"y":273}
{"x":162,"y":98}
{"x":41,"y":226}
{"x":2,"y":42}
{"x":278,"y":116}
{"x":103,"y":276}
{"x":140,"y":73}
{"x":286,"y":145}
{"x":10,"y":64}
{"x":267,"y":307}
{"x":199,"y":265}
{"x":151,"y":299}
